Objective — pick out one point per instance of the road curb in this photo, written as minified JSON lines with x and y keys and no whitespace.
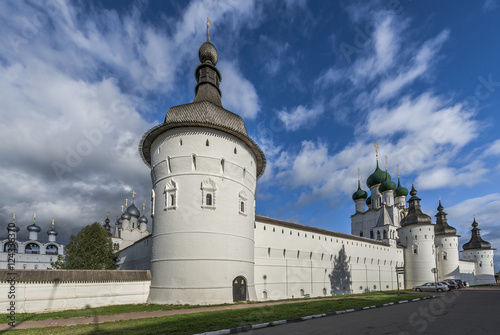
{"x":304,"y":318}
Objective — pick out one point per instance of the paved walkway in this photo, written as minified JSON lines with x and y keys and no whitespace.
{"x":143,"y":315}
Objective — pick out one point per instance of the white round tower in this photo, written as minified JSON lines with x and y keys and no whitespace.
{"x":204,"y":170}
{"x":480,"y":251}
{"x":417,"y":235}
{"x":446,"y":242}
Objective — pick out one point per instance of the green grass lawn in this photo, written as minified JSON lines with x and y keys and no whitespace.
{"x":117,"y":309}
{"x":209,"y":321}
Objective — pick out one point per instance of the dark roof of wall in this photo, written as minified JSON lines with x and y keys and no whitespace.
{"x":72,"y":276}
{"x":294,"y":225}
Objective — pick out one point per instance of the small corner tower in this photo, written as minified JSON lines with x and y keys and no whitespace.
{"x":204,"y":170}
{"x":417,"y":235}
{"x":480,"y":251}
{"x":446,"y":242}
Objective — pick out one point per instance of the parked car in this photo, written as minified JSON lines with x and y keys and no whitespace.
{"x":460,"y":282}
{"x":432,"y":287}
{"x":466,"y":284}
{"x":451,"y":284}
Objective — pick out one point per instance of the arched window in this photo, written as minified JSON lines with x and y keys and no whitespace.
{"x":385,"y":234}
{"x":208,"y":189}
{"x":378,"y":235}
{"x":51,"y":250}
{"x":170,"y":195}
{"x":207,"y":143}
{"x":32,"y":248}
{"x":242,"y":207}
{"x":10,"y":247}
{"x":301,"y":292}
{"x":361,"y":234}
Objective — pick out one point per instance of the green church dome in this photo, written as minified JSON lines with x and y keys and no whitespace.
{"x":377,"y":177}
{"x":387,"y":185}
{"x":359,"y":194}
{"x":400,"y":191}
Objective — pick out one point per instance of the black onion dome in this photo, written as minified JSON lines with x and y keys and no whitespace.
{"x":208,"y":53}
{"x":442,"y":227}
{"x":133,"y":211}
{"x":415,"y":214}
{"x":476,"y":241}
{"x":13,"y":228}
{"x":34,"y":227}
{"x":125,"y":216}
{"x":143,"y":219}
{"x":52,"y":232}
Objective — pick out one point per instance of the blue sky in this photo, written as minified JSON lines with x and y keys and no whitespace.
{"x":317,"y":83}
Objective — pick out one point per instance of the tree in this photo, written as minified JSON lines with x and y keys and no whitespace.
{"x":91,"y":249}
{"x":340,"y":278}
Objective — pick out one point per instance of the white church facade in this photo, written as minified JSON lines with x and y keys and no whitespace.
{"x":206,"y":245}
{"x":19,"y":253}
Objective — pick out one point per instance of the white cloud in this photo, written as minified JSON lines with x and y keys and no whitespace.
{"x":299,"y":116}
{"x":439,"y":177}
{"x":74,"y":88}
{"x":419,"y":65}
{"x":238,"y":94}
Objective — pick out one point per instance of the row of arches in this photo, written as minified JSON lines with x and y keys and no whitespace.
{"x":31,"y":248}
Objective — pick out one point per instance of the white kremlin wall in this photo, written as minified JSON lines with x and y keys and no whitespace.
{"x":57,"y":290}
{"x":292,"y":260}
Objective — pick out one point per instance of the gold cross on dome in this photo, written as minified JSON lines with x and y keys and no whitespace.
{"x":126,"y":202}
{"x":133,"y":195}
{"x":53,"y":223}
{"x":385,"y":162}
{"x":376,"y":148}
{"x":14,"y":217}
{"x":122,"y":207}
{"x":143,"y":207}
{"x":398,"y":169}
{"x":358,"y":173}
{"x":208,"y":34}
{"x":34,"y":217}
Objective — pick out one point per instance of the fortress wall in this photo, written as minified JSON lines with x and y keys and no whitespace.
{"x":292,"y":260}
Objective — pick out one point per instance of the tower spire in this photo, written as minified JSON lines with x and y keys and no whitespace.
{"x":208,"y":33}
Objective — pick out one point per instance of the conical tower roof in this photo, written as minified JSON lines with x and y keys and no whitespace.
{"x":442,"y":227}
{"x":415,"y":214}
{"x":476,"y":241}
{"x":206,"y":110}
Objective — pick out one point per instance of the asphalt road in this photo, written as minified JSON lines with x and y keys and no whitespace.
{"x":464,"y":311}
